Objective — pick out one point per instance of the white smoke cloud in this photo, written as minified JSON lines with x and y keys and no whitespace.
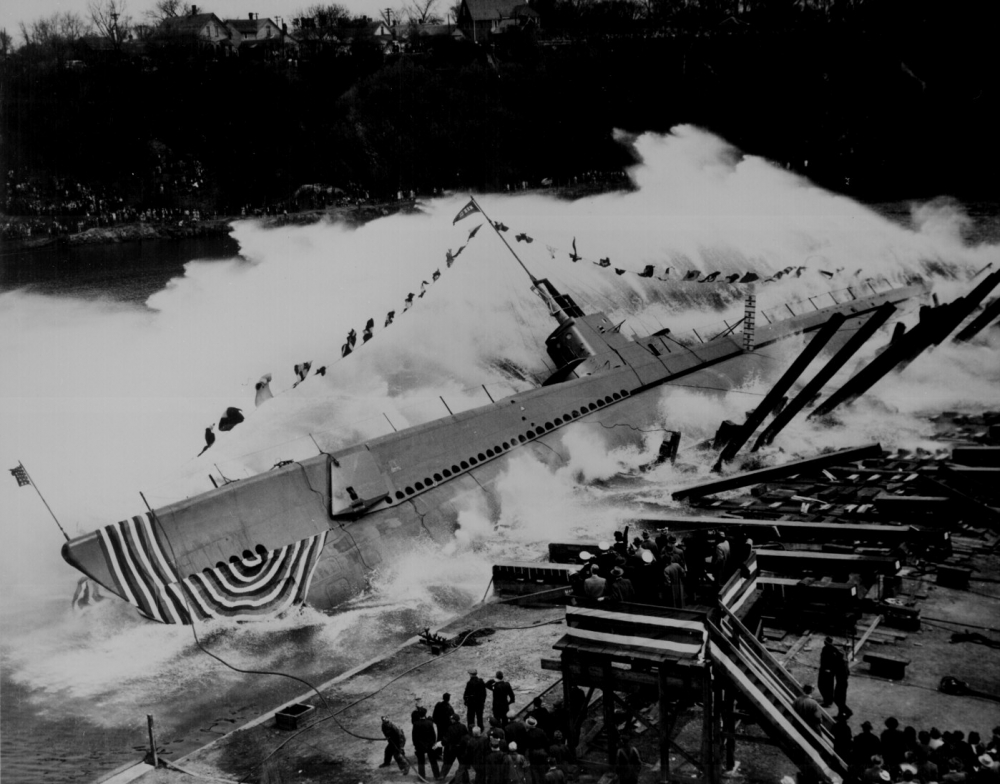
{"x":101,"y":400}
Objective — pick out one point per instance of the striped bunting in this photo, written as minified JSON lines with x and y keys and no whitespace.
{"x":258,"y":586}
{"x":741,"y":585}
{"x":655,"y":633}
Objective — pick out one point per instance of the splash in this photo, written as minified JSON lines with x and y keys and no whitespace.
{"x":101,"y":400}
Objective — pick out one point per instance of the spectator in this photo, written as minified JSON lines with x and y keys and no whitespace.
{"x":503,"y":697}
{"x":892,"y":743}
{"x":475,"y":700}
{"x":424,"y":738}
{"x":866,"y":744}
{"x":517,"y":766}
{"x":395,"y":744}
{"x":809,"y":709}
{"x":443,"y":712}
{"x":452,"y":741}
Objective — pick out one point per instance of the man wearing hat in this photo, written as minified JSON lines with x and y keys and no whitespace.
{"x":842,"y":735}
{"x":828,"y":659}
{"x":621,"y":589}
{"x":866,"y":745}
{"x":536,"y":744}
{"x":475,"y":700}
{"x":503,"y":697}
{"x":395,"y":742}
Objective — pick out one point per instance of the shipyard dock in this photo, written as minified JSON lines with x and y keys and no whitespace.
{"x":704,"y":692}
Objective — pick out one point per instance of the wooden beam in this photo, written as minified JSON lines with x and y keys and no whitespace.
{"x":849,"y":455}
{"x":865,"y":636}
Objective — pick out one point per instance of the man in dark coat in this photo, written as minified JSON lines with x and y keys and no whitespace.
{"x":892,"y":743}
{"x":842,"y":735}
{"x":441,"y":717}
{"x":424,"y":737}
{"x":452,"y":740}
{"x":620,"y":589}
{"x":496,"y":763}
{"x":464,"y":751}
{"x":809,"y":709}
{"x":395,"y":743}
{"x":516,"y":731}
{"x":866,"y":745}
{"x":475,"y":700}
{"x":536,"y":749}
{"x":503,"y":697}
{"x":828,"y":659}
{"x":541,"y":714}
{"x":673,"y":585}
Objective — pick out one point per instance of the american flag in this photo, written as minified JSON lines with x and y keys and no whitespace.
{"x":20,"y":475}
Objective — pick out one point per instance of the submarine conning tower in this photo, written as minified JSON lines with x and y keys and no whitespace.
{"x":582,"y":344}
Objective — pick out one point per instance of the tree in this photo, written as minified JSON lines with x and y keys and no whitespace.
{"x":329,"y":15}
{"x":167,"y":9}
{"x":6,"y":43}
{"x":54,"y":31}
{"x":422,"y":12}
{"x":110,"y":19}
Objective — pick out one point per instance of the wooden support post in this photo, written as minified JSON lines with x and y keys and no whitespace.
{"x":610,"y":729}
{"x":707,"y":728}
{"x":666,"y":726}
{"x":729,"y":728}
{"x":574,"y":721}
{"x":152,"y":742}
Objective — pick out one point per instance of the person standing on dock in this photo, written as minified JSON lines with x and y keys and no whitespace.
{"x":475,"y":700}
{"x":396,"y":742}
{"x":503,"y":697}
{"x":424,"y":738}
{"x":828,"y":659}
{"x":453,"y":740}
{"x":443,"y":712}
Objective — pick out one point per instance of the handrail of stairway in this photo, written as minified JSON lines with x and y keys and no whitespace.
{"x":822,"y":741}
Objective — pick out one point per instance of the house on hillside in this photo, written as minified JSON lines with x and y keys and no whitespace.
{"x":205,"y":30}
{"x":478,"y":19}
{"x":263,"y":38}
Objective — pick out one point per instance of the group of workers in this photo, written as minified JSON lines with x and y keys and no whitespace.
{"x":664,"y":569}
{"x":528,"y":749}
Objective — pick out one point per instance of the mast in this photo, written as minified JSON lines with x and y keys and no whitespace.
{"x":536,"y":285}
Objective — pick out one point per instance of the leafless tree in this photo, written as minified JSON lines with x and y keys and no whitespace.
{"x":167,"y":9}
{"x":110,"y":18}
{"x":422,"y":12}
{"x":329,"y":15}
{"x":6,"y":42}
{"x":59,"y":29}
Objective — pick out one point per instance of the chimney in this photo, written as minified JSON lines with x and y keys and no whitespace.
{"x":284,"y":28}
{"x":194,"y":10}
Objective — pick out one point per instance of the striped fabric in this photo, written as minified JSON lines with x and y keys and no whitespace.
{"x":741,"y":585}
{"x":255,"y":587}
{"x":629,"y":625}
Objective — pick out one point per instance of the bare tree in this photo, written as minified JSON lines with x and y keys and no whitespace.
{"x":422,"y":12}
{"x":329,"y":15}
{"x":110,"y":19}
{"x":167,"y":9}
{"x":58,"y":29}
{"x":6,"y":43}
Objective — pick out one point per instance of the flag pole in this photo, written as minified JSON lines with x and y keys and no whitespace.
{"x":32,"y":481}
{"x":479,"y":207}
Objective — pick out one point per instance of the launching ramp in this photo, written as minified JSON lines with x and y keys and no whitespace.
{"x":694,"y":655}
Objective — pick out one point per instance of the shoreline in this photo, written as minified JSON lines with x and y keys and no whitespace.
{"x":351,"y":214}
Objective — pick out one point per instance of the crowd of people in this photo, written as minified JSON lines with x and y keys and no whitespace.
{"x":532,"y":747}
{"x":918,"y":756}
{"x":663,"y":570}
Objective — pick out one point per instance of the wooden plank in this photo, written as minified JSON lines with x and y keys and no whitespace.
{"x":849,"y":455}
{"x":865,"y":636}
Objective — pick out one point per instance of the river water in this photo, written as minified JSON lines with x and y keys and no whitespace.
{"x":116,"y":357}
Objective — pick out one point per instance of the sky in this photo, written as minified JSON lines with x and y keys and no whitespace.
{"x":12,"y":12}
